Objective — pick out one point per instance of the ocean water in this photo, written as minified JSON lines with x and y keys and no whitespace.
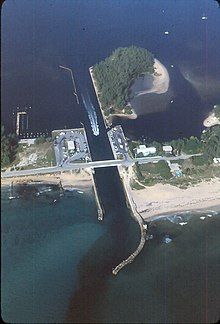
{"x":57,"y":258}
{"x":57,"y":261}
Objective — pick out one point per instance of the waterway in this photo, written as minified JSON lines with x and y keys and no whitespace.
{"x":58,"y":259}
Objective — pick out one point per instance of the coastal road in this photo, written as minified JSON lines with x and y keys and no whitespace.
{"x":94,"y":164}
{"x":164,"y":158}
{"x":68,"y":167}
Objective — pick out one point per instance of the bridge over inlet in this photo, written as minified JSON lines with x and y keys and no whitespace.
{"x":94,"y":164}
{"x":68,"y":167}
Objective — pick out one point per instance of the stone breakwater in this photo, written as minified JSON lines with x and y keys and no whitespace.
{"x":131,"y":258}
{"x":132,"y":205}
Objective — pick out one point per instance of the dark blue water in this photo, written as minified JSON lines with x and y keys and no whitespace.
{"x":58,"y":275}
{"x":79,"y":34}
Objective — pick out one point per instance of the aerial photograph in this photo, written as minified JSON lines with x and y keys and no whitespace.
{"x":110,"y":161}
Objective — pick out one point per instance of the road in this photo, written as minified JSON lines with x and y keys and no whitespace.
{"x":94,"y":164}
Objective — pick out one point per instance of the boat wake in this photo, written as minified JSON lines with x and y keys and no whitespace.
{"x":91,"y":113}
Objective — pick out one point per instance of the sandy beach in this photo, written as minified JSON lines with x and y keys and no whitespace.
{"x":162,"y":199}
{"x":211,"y":120}
{"x":161,"y":80}
{"x":78,"y":180}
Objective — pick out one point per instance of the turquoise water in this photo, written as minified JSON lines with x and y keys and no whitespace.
{"x":42,"y":244}
{"x":57,"y":261}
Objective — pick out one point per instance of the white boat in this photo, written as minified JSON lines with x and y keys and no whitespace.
{"x":172,"y":66}
{"x":209,"y":215}
{"x":183,"y":223}
{"x":80,"y":192}
{"x":166,"y":33}
{"x":202,"y":217}
{"x":204,"y":17}
{"x":11,"y":197}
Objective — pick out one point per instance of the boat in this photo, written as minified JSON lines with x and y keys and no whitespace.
{"x":183,"y":223}
{"x":11,"y":197}
{"x":80,"y":192}
{"x":204,"y":17}
{"x":202,"y":217}
{"x":166,"y":33}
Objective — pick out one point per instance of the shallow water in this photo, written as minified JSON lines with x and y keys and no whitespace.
{"x":57,"y":261}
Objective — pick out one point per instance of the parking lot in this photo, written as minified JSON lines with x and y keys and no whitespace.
{"x":70,"y":145}
{"x":118,"y":142}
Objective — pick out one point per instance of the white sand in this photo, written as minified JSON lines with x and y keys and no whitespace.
{"x":81,"y":180}
{"x":161,"y":79}
{"x":211,"y":120}
{"x":161,"y":199}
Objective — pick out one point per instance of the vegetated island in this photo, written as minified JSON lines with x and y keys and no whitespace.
{"x":113,"y":77}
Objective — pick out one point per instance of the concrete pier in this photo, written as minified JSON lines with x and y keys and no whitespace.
{"x":97,"y":199}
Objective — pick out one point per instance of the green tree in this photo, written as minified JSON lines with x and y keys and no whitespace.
{"x":115,"y":74}
{"x":9,"y":145}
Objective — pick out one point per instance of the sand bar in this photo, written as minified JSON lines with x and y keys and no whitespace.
{"x":211,"y":120}
{"x":161,"y":80}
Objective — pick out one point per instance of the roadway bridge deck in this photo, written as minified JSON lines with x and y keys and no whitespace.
{"x":95,"y":164}
{"x":69,"y":167}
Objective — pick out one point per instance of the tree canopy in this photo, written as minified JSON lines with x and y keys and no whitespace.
{"x":217,"y":111}
{"x":114,"y":75}
{"x":9,"y":146}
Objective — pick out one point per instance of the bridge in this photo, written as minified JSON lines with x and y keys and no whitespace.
{"x":95,"y":164}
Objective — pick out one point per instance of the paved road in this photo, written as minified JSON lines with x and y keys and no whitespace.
{"x":95,"y":164}
{"x":72,"y":166}
{"x":164,"y":158}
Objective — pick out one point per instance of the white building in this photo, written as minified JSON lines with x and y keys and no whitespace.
{"x":216,"y":160}
{"x":146,"y":150}
{"x":167,"y":149}
{"x":27,"y":141}
{"x":70,"y":145}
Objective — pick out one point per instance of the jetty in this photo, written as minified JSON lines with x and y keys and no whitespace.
{"x":100,"y":208}
{"x":143,"y":228}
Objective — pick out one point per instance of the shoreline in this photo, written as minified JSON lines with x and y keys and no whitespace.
{"x":161,"y":80}
{"x":164,"y":199}
{"x":160,"y":85}
{"x":211,"y":120}
{"x":198,"y":211}
{"x":81,"y":180}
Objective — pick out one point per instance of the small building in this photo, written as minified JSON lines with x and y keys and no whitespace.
{"x":27,"y":141}
{"x":167,"y":149}
{"x":146,"y":150}
{"x":175,"y":169}
{"x":216,"y":160}
{"x":70,"y":145}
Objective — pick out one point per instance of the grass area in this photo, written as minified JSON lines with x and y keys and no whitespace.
{"x":194,"y":171}
{"x":136,"y":186}
{"x":40,"y":154}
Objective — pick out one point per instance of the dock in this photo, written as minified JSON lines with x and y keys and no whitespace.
{"x":100,"y":209}
{"x":19,"y":114}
